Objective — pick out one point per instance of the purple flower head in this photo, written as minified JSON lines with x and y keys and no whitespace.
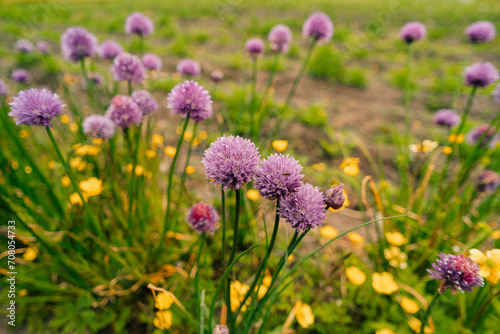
{"x":255,"y":47}
{"x":124,"y":112}
{"x":480,"y":32}
{"x":480,"y":75}
{"x":189,"y":67}
{"x":35,"y":107}
{"x":24,"y":46}
{"x":280,"y":38}
{"x":4,"y":90}
{"x":127,"y":67}
{"x":304,"y":210}
{"x":216,"y":76}
{"x":412,"y":32}
{"x":189,"y":97}
{"x":96,"y":78}
{"x":98,"y":126}
{"x":457,"y":272}
{"x":43,"y":47}
{"x":496,"y":94}
{"x":231,"y":162}
{"x":334,"y":197}
{"x":447,"y":118}
{"x":152,"y":62}
{"x":319,"y":27}
{"x":221,"y":329}
{"x":21,"y":76}
{"x":278,"y":176}
{"x":109,"y":49}
{"x":203,"y":218}
{"x":145,"y":101}
{"x":140,"y":24}
{"x":488,"y":181}
{"x":77,"y":43}
{"x":475,"y":134}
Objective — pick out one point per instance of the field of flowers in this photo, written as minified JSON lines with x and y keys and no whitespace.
{"x":250,"y":167}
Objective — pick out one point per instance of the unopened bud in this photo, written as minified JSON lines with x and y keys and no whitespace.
{"x":334,"y":197}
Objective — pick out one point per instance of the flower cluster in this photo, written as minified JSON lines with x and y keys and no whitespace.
{"x":304,"y":210}
{"x":139,"y":24}
{"x":203,"y":218}
{"x":35,"y":107}
{"x":457,"y":272}
{"x":78,"y":43}
{"x":128,"y":67}
{"x":124,"y":112}
{"x":190,"y":98}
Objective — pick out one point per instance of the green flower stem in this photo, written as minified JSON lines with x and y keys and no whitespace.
{"x":407,"y":93}
{"x":129,"y":87}
{"x":90,"y":86}
{"x":190,"y":150}
{"x":428,"y":312}
{"x":197,"y":277}
{"x":132,"y":196}
{"x":223,"y":213}
{"x":235,"y":227}
{"x":467,"y":110}
{"x":300,"y":74}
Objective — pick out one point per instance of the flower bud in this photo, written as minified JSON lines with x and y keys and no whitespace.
{"x":334,"y":197}
{"x":221,"y":329}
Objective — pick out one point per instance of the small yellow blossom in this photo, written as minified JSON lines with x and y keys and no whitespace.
{"x":28,"y":170}
{"x":65,"y":181}
{"x":355,"y":275}
{"x":350,"y":166}
{"x":163,"y":301}
{"x":196,"y":142}
{"x":14,"y":164}
{"x":73,"y":127}
{"x":65,"y":119}
{"x":139,"y":170}
{"x":30,"y":254}
{"x":157,"y":140}
{"x":489,"y":264}
{"x":396,"y":257}
{"x":447,"y":150}
{"x":91,"y":187}
{"x":178,"y":130}
{"x":253,"y":194}
{"x":304,"y":315}
{"x":190,"y":169}
{"x":74,"y":198}
{"x":416,"y":324}
{"x":203,"y":135}
{"x":262,"y":291}
{"x":385,"y":331}
{"x":163,"y":319}
{"x":237,"y":291}
{"x":188,"y":135}
{"x":149,"y":175}
{"x":267,"y":280}
{"x":97,"y":141}
{"x":290,"y":258}
{"x":81,"y":149}
{"x":355,"y":238}
{"x":69,"y":79}
{"x":425,"y":146}
{"x":94,"y":150}
{"x":329,"y":232}
{"x":453,"y":138}
{"x":384,"y":283}
{"x":52,"y":164}
{"x":280,"y":145}
{"x":495,"y":235}
{"x":395,"y":238}
{"x":319,"y":166}
{"x":23,"y":292}
{"x":150,"y":154}
{"x":409,"y":305}
{"x":23,"y":134}
{"x":170,"y":151}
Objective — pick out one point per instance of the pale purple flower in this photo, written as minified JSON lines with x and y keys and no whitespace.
{"x":447,"y":118}
{"x":21,"y":76}
{"x":189,"y":97}
{"x":4,"y":90}
{"x":496,"y":94}
{"x":124,"y":112}
{"x":109,"y":49}
{"x":128,"y":67}
{"x":35,"y":107}
{"x":78,"y":43}
{"x":412,"y":32}
{"x":480,"y":75}
{"x":140,"y":24}
{"x":43,"y":47}
{"x":480,"y":32}
{"x":488,"y":181}
{"x":98,"y":126}
{"x":278,"y":177}
{"x":221,"y":329}
{"x":255,"y":47}
{"x":334,"y":197}
{"x":305,"y":209}
{"x":145,"y":101}
{"x":203,"y":218}
{"x":152,"y":62}
{"x":189,"y":67}
{"x":456,"y":272}
{"x":231,"y":162}
{"x":216,"y":76}
{"x":319,"y":27}
{"x":24,"y":46}
{"x":475,"y":134}
{"x":280,"y":38}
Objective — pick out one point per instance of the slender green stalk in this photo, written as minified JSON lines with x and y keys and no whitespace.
{"x":197,"y":277}
{"x":235,"y":227}
{"x":428,"y":312}
{"x":129,"y":87}
{"x":132,"y":196}
{"x":300,"y":74}
{"x":223,"y":213}
{"x":466,"y":111}
{"x":407,"y":92}
{"x":252,"y":95}
{"x":190,"y":150}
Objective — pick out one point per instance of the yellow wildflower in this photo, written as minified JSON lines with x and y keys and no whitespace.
{"x":81,"y":149}
{"x":23,"y":134}
{"x":453,"y":138}
{"x":355,"y":238}
{"x":416,"y":324}
{"x":30,"y":254}
{"x":73,"y":127}
{"x":384,"y":283}
{"x":91,"y":187}
{"x":237,"y":291}
{"x":203,"y":135}
{"x":97,"y":141}
{"x":396,"y":257}
{"x":14,"y":164}
{"x":94,"y":150}
{"x":304,"y":315}
{"x":150,"y":154}
{"x":65,"y":181}
{"x":280,"y":145}
{"x":410,"y":306}
{"x":190,"y":169}
{"x":385,"y":331}
{"x":163,"y":319}
{"x":350,"y":166}
{"x":170,"y":151}
{"x":355,"y":275}
{"x":28,"y":170}
{"x":65,"y":119}
{"x":196,"y":142}
{"x":395,"y":238}
{"x":52,"y":164}
{"x":139,"y":170}
{"x":495,"y":235}
{"x":74,"y":198}
{"x":319,"y":166}
{"x":447,"y":150}
{"x":163,"y":301}
{"x":489,"y":264}
{"x":188,"y":135}
{"x":329,"y":232}
{"x":23,"y":292}
{"x":157,"y":140}
{"x":262,"y":291}
{"x":290,"y":258}
{"x":424,"y":147}
{"x":253,"y":194}
{"x":267,"y":280}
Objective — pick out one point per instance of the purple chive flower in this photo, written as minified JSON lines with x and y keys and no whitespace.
{"x":4,"y":90}
{"x":304,"y":210}
{"x":216,"y":76}
{"x":278,"y":177}
{"x":189,"y":67}
{"x":496,"y":94}
{"x":334,"y":197}
{"x":127,"y":67}
{"x":124,"y":112}
{"x":221,"y":329}
{"x":480,"y":32}
{"x":203,"y":218}
{"x":475,"y":134}
{"x":412,"y":32}
{"x":43,"y":47}
{"x":231,"y":162}
{"x":319,"y":27}
{"x":21,"y":76}
{"x":480,"y":75}
{"x":145,"y":101}
{"x":98,"y":126}
{"x":152,"y":62}
{"x":35,"y":107}
{"x":280,"y":38}
{"x":96,"y":78}
{"x":24,"y":46}
{"x":189,"y":97}
{"x":447,"y":118}
{"x":140,"y":24}
{"x":457,"y":272}
{"x":488,"y":181}
{"x":109,"y":49}
{"x":77,"y":43}
{"x":255,"y":47}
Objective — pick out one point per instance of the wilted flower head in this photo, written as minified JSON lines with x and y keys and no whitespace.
{"x":98,"y":126}
{"x":480,"y":75}
{"x":189,"y":67}
{"x":189,"y":97}
{"x":43,"y":47}
{"x":488,"y":181}
{"x":221,"y":329}
{"x":109,"y":49}
{"x":280,"y":38}
{"x":319,"y":27}
{"x":77,"y":43}
{"x":216,"y":76}
{"x":457,"y":272}
{"x":124,"y":112}
{"x":203,"y":218}
{"x":21,"y":75}
{"x":278,"y":177}
{"x":480,"y":32}
{"x":140,"y":24}
{"x":334,"y":197}
{"x":412,"y":32}
{"x":152,"y":62}
{"x":305,"y":209}
{"x":231,"y":162}
{"x":35,"y":107}
{"x":128,"y":67}
{"x":4,"y":90}
{"x":255,"y":47}
{"x":490,"y":138}
{"x":24,"y":46}
{"x":447,"y":118}
{"x":145,"y":101}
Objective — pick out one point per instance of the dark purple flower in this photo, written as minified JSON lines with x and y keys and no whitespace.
{"x":221,"y":329}
{"x":475,"y":134}
{"x":152,"y":62}
{"x":109,"y":49}
{"x":231,"y":162}
{"x":203,"y":218}
{"x":480,"y":75}
{"x":447,"y":118}
{"x":457,"y":272}
{"x":24,"y":46}
{"x":98,"y":126}
{"x":145,"y":101}
{"x":334,"y":197}
{"x":189,"y":97}
{"x":140,"y":24}
{"x":35,"y":107}
{"x":412,"y":32}
{"x":124,"y":112}
{"x":21,"y":75}
{"x":4,"y":90}
{"x":127,"y":67}
{"x":255,"y":47}
{"x":488,"y":181}
{"x":305,"y":209}
{"x":278,"y":176}
{"x":43,"y":47}
{"x":496,"y":94}
{"x":280,"y":38}
{"x":216,"y":76}
{"x":77,"y":43}
{"x":319,"y":27}
{"x":189,"y":67}
{"x":480,"y":32}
